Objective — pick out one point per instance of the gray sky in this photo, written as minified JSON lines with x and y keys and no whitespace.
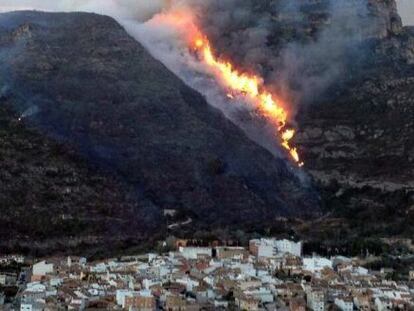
{"x":122,"y":9}
{"x":136,"y":7}
{"x":406,"y":10}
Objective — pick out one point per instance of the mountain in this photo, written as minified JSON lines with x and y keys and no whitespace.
{"x":358,"y":139}
{"x":358,"y":143}
{"x":349,"y":68}
{"x":52,"y":200}
{"x":99,"y":139}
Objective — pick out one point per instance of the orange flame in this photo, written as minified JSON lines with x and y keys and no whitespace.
{"x":252,"y":87}
{"x":238,"y":83}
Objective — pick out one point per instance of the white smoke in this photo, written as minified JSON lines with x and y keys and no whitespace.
{"x":30,"y":111}
{"x":247,"y":43}
{"x":165,"y":43}
{"x":406,"y":10}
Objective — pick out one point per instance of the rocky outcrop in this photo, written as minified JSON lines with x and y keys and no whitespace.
{"x":349,"y":67}
{"x":358,"y":144}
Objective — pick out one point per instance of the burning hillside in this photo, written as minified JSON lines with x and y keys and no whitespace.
{"x":327,"y":79}
{"x":239,"y":54}
{"x":238,"y":85}
{"x":251,"y":87}
{"x":129,"y":116}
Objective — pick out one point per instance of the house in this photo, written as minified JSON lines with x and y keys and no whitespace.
{"x":75,"y":261}
{"x":41,"y":269}
{"x":288,"y":291}
{"x":385,"y":271}
{"x":33,"y":292}
{"x":142,"y":302}
{"x":221,"y":304}
{"x":297,"y":304}
{"x":316,"y":299}
{"x":383,"y":304}
{"x":33,"y":297}
{"x":291,"y":263}
{"x":32,"y":306}
{"x":411,"y":275}
{"x":175,"y":303}
{"x":363,"y":301}
{"x":77,"y":304}
{"x":203,"y":293}
{"x":7,"y":259}
{"x":271,"y":247}
{"x":260,"y":248}
{"x":247,"y":303}
{"x":231,"y":252}
{"x":316,"y":264}
{"x":8,"y":278}
{"x":335,"y":291}
{"x":188,"y":282}
{"x":121,"y":295}
{"x":195,"y":252}
{"x":345,"y":303}
{"x":261,"y":294}
{"x":289,"y":247}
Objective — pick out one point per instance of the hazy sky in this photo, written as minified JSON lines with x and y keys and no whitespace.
{"x":406,"y":9}
{"x":136,"y":9}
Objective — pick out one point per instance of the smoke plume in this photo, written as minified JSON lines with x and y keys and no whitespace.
{"x":406,"y":9}
{"x":300,"y":48}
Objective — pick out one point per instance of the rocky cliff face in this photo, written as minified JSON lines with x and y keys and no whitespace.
{"x":349,"y":67}
{"x":358,"y":140}
{"x":81,"y":80}
{"x":359,"y":148}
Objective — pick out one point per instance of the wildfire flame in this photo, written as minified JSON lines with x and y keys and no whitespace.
{"x":238,"y":83}
{"x":252,"y":87}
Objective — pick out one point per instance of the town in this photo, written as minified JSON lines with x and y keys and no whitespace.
{"x":269,"y":274}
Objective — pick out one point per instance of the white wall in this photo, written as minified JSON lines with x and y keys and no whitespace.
{"x":314,"y":264}
{"x":42,"y":268}
{"x":193,"y":252}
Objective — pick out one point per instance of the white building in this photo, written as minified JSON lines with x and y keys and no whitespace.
{"x":383,"y":304}
{"x":188,"y":282}
{"x":194,"y":252}
{"x":33,"y":296}
{"x":345,"y":303}
{"x":99,"y":268}
{"x":262,"y":294}
{"x":8,"y":279}
{"x":267,"y":248}
{"x":316,"y":300}
{"x":121,"y":294}
{"x":35,"y":287}
{"x":42,"y":268}
{"x":147,"y":283}
{"x":316,"y":264}
{"x":289,"y":247}
{"x":32,"y":306}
